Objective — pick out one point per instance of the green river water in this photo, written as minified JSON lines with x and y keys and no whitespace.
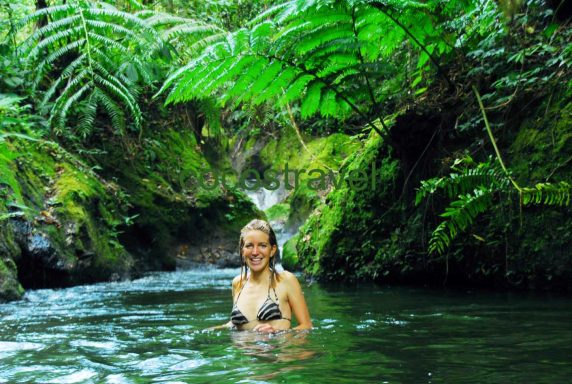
{"x":152,"y":330}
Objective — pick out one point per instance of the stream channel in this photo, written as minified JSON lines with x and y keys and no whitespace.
{"x":153,"y":330}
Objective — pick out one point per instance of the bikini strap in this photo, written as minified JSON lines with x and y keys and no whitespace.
{"x":274,"y":289}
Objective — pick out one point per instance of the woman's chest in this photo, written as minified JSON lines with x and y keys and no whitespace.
{"x":256,"y":303}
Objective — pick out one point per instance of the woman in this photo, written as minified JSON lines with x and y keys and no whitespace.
{"x":263,"y":299}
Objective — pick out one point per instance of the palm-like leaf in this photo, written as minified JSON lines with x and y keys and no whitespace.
{"x":189,"y":36}
{"x":331,"y":57}
{"x":548,"y":194}
{"x":484,"y":175}
{"x":82,"y":56}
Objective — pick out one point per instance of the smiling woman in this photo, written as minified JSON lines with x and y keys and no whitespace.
{"x":264,"y":300}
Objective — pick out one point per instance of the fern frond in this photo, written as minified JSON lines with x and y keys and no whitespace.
{"x":270,"y":12}
{"x":336,"y":47}
{"x":484,"y":175}
{"x":104,"y":26}
{"x":104,"y":44}
{"x":49,"y":28}
{"x":459,"y":216}
{"x":108,"y":43}
{"x":71,"y":47}
{"x":218,"y":70}
{"x":124,"y":17}
{"x":63,"y":76}
{"x":190,"y":30}
{"x":54,"y":11}
{"x":548,"y":194}
{"x":117,"y":89}
{"x":85,"y":124}
{"x":212,"y":112}
{"x":113,"y":109}
{"x":189,"y":35}
{"x":202,"y":43}
{"x":155,"y":19}
{"x":60,"y":37}
{"x":66,"y":103}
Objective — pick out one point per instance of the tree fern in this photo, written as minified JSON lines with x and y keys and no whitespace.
{"x":188,"y":36}
{"x":86,"y":56}
{"x":325,"y":55}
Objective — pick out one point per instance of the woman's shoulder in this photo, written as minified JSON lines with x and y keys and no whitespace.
{"x":288,"y":277}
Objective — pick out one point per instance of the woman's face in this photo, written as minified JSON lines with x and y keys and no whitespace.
{"x":257,"y":250}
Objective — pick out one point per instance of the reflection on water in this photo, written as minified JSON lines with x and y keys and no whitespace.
{"x":281,"y":347}
{"x":153,"y":330}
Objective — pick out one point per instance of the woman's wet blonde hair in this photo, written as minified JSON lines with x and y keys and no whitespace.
{"x":262,"y":226}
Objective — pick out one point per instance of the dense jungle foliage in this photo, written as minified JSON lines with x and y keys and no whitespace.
{"x":462,"y":108}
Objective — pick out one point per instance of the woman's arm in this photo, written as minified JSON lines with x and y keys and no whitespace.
{"x":298,"y":302}
{"x":229,"y":324}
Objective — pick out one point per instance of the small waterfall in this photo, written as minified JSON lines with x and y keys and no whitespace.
{"x":265,"y":199}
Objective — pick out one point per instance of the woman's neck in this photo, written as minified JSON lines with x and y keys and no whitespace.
{"x":260,"y":277}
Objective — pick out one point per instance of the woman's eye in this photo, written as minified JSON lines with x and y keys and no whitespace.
{"x":249,"y":246}
{"x":263,"y":246}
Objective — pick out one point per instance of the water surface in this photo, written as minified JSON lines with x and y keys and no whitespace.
{"x":151,"y":330}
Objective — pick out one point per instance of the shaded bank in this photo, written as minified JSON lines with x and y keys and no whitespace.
{"x":382,"y":235}
{"x":63,"y":224}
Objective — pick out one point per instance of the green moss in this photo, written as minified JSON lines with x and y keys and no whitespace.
{"x":168,"y":206}
{"x":70,"y":205}
{"x":542,"y":148}
{"x":74,"y":185}
{"x":323,"y":153}
{"x":10,"y":288}
{"x":322,"y":249}
{"x":8,"y":175}
{"x":320,"y":153}
{"x":278,"y":212}
{"x":290,"y":255}
{"x":250,"y":143}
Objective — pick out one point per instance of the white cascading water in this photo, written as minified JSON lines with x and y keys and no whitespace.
{"x":264,"y":199}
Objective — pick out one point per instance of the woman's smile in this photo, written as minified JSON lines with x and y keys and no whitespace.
{"x":256,"y":260}
{"x":257,"y":250}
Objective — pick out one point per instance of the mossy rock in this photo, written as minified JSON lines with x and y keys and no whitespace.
{"x":278,"y":212}
{"x":63,"y":216}
{"x":339,"y":239}
{"x":10,"y":288}
{"x":177,"y":222}
{"x":290,"y":255}
{"x":322,"y":154}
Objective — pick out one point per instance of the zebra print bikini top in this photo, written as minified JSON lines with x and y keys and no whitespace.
{"x":270,"y":310}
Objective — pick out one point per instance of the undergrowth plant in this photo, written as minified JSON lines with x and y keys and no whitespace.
{"x":472,"y":189}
